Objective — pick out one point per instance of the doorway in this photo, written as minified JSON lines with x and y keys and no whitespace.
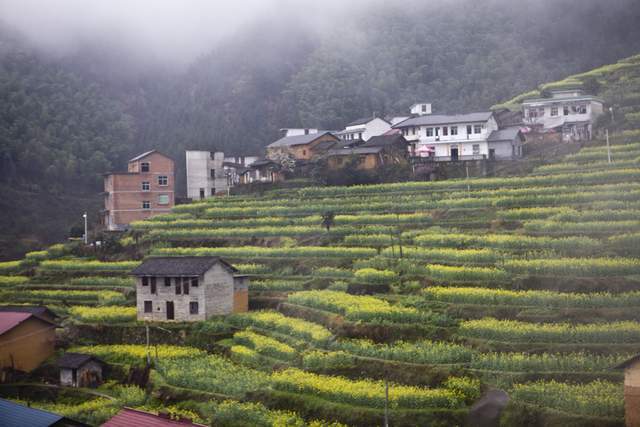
{"x":492,"y":153}
{"x":454,"y":154}
{"x":202,"y":193}
{"x":170,"y":311}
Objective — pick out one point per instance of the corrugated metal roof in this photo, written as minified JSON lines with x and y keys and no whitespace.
{"x":38,"y":310}
{"x":178,"y":266}
{"x":289,"y":141}
{"x":442,"y":119}
{"x":128,"y":417}
{"x":15,"y":415}
{"x":9,"y":320}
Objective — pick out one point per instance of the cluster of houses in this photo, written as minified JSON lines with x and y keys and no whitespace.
{"x":147,"y":188}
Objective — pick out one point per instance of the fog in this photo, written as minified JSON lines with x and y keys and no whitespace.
{"x":169,"y":31}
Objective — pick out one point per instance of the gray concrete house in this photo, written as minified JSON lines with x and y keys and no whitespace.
{"x":80,"y":370}
{"x":188,"y":289}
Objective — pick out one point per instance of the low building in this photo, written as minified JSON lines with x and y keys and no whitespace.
{"x":128,"y":417}
{"x":188,"y":289}
{"x":298,"y":131}
{"x":472,"y":136}
{"x":146,"y":189}
{"x":262,"y":170}
{"x":38,"y":310}
{"x":302,"y":147}
{"x":631,"y":369}
{"x":15,"y":415}
{"x":26,"y":340}
{"x":378,"y":151}
{"x":568,"y":112}
{"x":80,"y":370}
{"x":364,"y":129}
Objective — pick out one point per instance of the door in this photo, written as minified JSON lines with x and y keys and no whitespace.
{"x":170,"y":311}
{"x":454,"y":154}
{"x":201,"y":193}
{"x":492,"y":153}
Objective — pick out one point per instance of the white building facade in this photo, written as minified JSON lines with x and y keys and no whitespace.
{"x":568,"y":111}
{"x":364,"y":129}
{"x":455,"y":137}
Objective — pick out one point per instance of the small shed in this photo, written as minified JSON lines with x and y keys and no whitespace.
{"x":631,"y":369}
{"x":80,"y":370}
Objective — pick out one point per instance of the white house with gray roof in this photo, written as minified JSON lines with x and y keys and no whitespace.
{"x":460,"y":137}
{"x":364,"y":129}
{"x":570,"y":112}
{"x":188,"y":289}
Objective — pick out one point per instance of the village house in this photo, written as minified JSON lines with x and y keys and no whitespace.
{"x":26,"y":340}
{"x":302,"y":147}
{"x":15,"y":415}
{"x":631,"y":369}
{"x":80,"y":370}
{"x":570,"y":113}
{"x":262,"y":170}
{"x":378,"y":151}
{"x":364,"y":129}
{"x":37,"y":310}
{"x":298,"y":131}
{"x":146,"y":189}
{"x":128,"y":417}
{"x":188,"y":289}
{"x":472,"y":136}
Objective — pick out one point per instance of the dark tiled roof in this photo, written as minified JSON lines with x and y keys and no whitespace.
{"x":360,"y":121}
{"x":506,"y":134}
{"x":38,"y":310}
{"x":178,"y":266}
{"x":385,"y":140}
{"x":75,"y":360}
{"x":354,"y":151}
{"x":146,"y":153}
{"x":16,"y":415}
{"x":128,"y":417}
{"x":290,"y":141}
{"x":442,"y":119}
{"x":627,"y":363}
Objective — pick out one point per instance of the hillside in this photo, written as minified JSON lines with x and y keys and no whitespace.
{"x":65,"y":120}
{"x":528,"y":284}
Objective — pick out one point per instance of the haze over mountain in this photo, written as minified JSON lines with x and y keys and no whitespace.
{"x":83,"y":86}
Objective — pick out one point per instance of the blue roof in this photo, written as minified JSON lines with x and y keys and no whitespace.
{"x":15,"y":415}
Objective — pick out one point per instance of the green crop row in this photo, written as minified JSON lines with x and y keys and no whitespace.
{"x":270,"y":231}
{"x":574,"y":266}
{"x":264,"y":345}
{"x":134,"y":353}
{"x":87,"y":265}
{"x":583,"y":227}
{"x":273,"y":321}
{"x":8,"y":281}
{"x":99,"y":297}
{"x":447,"y":273}
{"x":481,"y":256}
{"x":244,"y":252}
{"x":112,"y":314}
{"x":124,"y":282}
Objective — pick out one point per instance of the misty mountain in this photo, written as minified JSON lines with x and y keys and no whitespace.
{"x":66,"y":118}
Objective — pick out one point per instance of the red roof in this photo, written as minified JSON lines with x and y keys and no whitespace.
{"x":128,"y":417}
{"x":11,"y":319}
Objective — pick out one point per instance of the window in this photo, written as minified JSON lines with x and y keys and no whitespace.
{"x":201,"y":193}
{"x":429,"y":131}
{"x":148,"y":306}
{"x":185,"y":286}
{"x":213,"y":173}
{"x":213,"y":191}
{"x":304,"y":152}
{"x":178,"y":286}
{"x":424,"y":108}
{"x":167,"y":281}
{"x":565,"y":110}
{"x":163,"y":180}
{"x":146,"y":204}
{"x":306,"y":132}
{"x":194,"y":282}
{"x":476,"y":149}
{"x":437,"y":132}
{"x":445,"y":131}
{"x":145,"y":167}
{"x":154,"y":290}
{"x":468,"y":129}
{"x":163,"y":199}
{"x":145,"y":281}
{"x":582,"y":109}
{"x":477,"y":128}
{"x":454,"y":130}
{"x":554,"y":111}
{"x":360,"y":135}
{"x":413,"y":131}
{"x":146,"y":186}
{"x":541,"y":112}
{"x":193,"y":307}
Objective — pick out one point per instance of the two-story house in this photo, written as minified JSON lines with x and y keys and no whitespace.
{"x":378,"y":151}
{"x":570,"y":112}
{"x":146,"y":189}
{"x":302,"y":147}
{"x":188,"y":289}
{"x":364,"y":129}
{"x":459,"y":137}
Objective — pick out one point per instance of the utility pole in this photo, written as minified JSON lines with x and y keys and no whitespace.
{"x":606,"y":132}
{"x":148,"y":355}
{"x":86,"y":236}
{"x":386,"y":402}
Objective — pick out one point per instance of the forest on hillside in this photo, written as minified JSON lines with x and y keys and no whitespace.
{"x":65,"y":120}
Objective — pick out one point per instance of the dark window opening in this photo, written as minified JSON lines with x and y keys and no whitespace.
{"x":148,"y":306}
{"x":193,"y":307}
{"x":145,"y":167}
{"x":194,"y":282}
{"x":185,"y":287}
{"x":167,"y":281}
{"x":178,"y":288}
{"x":145,"y":281}
{"x":213,"y":173}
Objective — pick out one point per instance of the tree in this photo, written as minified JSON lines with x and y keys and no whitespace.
{"x":328,"y":219}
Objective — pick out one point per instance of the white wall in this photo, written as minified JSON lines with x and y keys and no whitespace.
{"x":375,"y":127}
{"x":197,"y":173}
{"x":594,"y":109}
{"x":417,"y":109}
{"x":298,"y":131}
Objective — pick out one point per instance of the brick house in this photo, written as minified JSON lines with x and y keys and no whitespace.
{"x":146,"y":189}
{"x":26,"y":340}
{"x":302,"y":147}
{"x":188,"y":289}
{"x":378,"y":151}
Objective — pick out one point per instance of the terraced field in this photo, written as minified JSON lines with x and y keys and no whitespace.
{"x":436,"y":291}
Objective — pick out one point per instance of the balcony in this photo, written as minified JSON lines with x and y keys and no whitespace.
{"x":431,"y":159}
